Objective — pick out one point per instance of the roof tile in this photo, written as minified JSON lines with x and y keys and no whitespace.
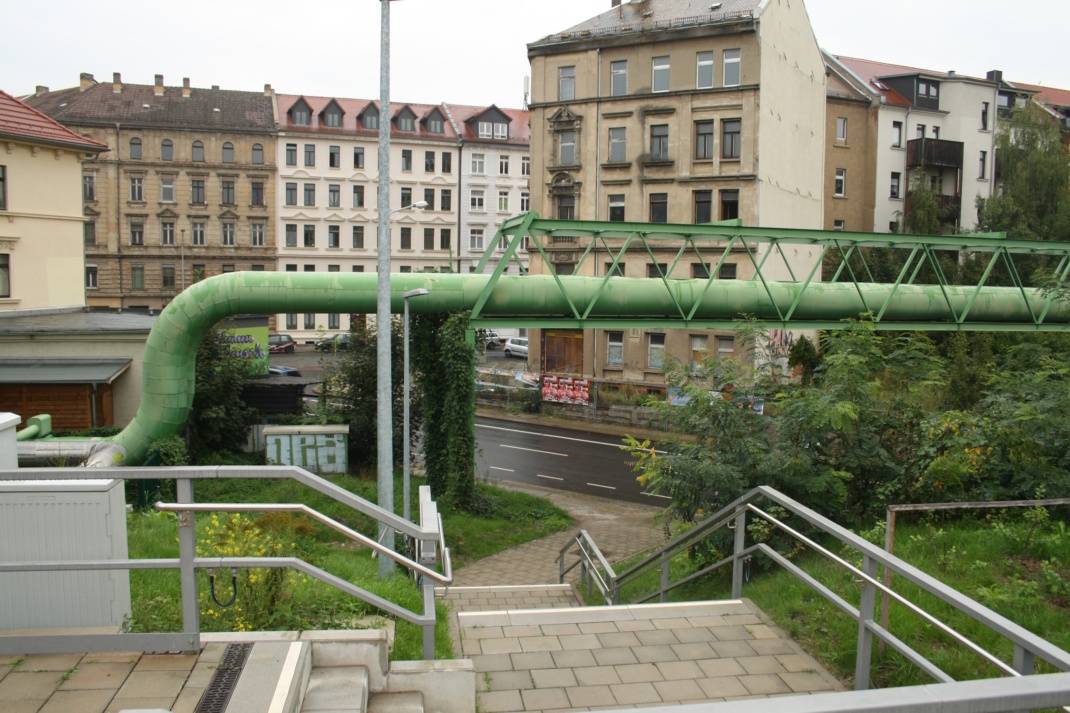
{"x":19,"y":120}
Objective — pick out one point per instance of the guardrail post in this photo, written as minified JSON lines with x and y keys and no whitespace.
{"x":187,"y":552}
{"x":737,"y":562}
{"x":866,"y":607}
{"x":664,"y":577}
{"x":1024,"y":660}
{"x":429,"y":611}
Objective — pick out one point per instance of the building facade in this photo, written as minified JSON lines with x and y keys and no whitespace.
{"x":186,"y":190}
{"x":850,"y":150}
{"x":657,"y":112}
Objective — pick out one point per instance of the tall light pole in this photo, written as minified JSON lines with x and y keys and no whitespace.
{"x":405,"y":468}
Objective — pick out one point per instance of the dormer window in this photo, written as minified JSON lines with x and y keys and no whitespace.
{"x":493,"y":130}
{"x":435,"y":123}
{"x":501,"y":131}
{"x":406,"y":120}
{"x":928,"y":89}
{"x":301,"y":113}
{"x":332,"y":116}
{"x":370,"y":120}
{"x":486,"y":130}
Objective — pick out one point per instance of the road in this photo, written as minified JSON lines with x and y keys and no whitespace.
{"x":565,"y":459}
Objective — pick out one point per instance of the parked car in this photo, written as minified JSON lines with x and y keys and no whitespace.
{"x":335,"y":343}
{"x":283,"y":371}
{"x":517,"y":346}
{"x":491,"y":339}
{"x":281,"y":344}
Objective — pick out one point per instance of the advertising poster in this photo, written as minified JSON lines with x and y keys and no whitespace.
{"x":247,"y":338}
{"x":566,"y":390}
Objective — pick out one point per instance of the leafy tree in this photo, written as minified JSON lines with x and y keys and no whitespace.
{"x":219,"y":419}
{"x":804,"y":355}
{"x":923,"y":218}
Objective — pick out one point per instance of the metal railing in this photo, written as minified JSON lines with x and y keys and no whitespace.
{"x":1027,"y":645}
{"x":428,"y":537}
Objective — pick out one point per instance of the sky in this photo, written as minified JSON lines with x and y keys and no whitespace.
{"x":462,"y":51}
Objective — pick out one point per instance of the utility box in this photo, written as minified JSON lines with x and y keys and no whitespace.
{"x":320,"y":449}
{"x":63,"y":520}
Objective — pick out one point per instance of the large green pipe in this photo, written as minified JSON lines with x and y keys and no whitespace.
{"x":171,"y":350}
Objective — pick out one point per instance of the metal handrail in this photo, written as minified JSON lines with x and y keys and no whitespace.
{"x":589,"y":568}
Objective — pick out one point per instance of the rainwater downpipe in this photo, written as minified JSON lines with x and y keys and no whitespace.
{"x":459,"y":202}
{"x":119,"y":210}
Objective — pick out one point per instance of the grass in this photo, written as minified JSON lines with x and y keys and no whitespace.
{"x":1016,"y":567}
{"x":281,"y":600}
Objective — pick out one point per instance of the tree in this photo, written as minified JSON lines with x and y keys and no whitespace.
{"x":219,"y":419}
{"x":923,"y":218}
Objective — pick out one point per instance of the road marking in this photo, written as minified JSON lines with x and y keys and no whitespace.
{"x":548,"y":477}
{"x":655,"y":495}
{"x":606,"y":487}
{"x":533,"y":450}
{"x":551,"y":435}
{"x":507,"y":470}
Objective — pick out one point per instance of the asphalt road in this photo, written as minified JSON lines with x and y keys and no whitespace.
{"x":564,"y":459}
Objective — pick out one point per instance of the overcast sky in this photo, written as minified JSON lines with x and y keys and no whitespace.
{"x":462,"y":51}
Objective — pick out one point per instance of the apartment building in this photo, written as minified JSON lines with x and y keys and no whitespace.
{"x":185,"y":191}
{"x":666,"y":111}
{"x":850,"y":150}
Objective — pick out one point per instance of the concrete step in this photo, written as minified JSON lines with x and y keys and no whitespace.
{"x":723,"y":613}
{"x":412,"y":702}
{"x":496,"y":598}
{"x":341,"y":689}
{"x":273,"y":678}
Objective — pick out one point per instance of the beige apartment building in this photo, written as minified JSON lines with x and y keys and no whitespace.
{"x":850,"y":151}
{"x":186,"y":190}
{"x":658,"y":111}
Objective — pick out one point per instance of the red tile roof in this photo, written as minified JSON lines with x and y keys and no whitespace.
{"x":869,"y":71}
{"x":351,"y":109}
{"x":1048,"y":95}
{"x":519,"y":122}
{"x":20,"y":121}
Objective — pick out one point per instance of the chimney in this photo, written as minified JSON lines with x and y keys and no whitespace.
{"x":116,"y":83}
{"x":951,"y":73}
{"x":996,"y":76}
{"x":215,"y":87}
{"x":158,"y":89}
{"x":614,"y":3}
{"x":268,"y":91}
{"x":185,"y":87}
{"x":85,"y":81}
{"x":41,"y":89}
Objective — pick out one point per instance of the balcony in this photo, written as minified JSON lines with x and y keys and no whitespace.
{"x":948,"y":208}
{"x":934,"y":153}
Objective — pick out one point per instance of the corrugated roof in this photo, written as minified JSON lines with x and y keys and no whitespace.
{"x":353,"y":108}
{"x":61,"y":370}
{"x":73,"y":321}
{"x":647,"y":15}
{"x":22,"y":121}
{"x":138,"y":105}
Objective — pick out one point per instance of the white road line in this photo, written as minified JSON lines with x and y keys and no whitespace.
{"x":548,"y":477}
{"x":549,"y":453}
{"x":596,"y":485}
{"x":551,"y":435}
{"x":655,"y":495}
{"x":507,"y":470}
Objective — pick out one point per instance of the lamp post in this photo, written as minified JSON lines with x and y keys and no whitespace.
{"x":405,"y":467}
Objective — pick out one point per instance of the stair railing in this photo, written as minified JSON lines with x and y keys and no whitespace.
{"x":594,"y":569}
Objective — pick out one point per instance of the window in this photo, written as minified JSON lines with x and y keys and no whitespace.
{"x":257,"y":193}
{"x":406,"y":197}
{"x":525,"y":202}
{"x":405,"y":268}
{"x":655,"y":354}
{"x":936,"y":132}
{"x":617,"y":271}
{"x":525,"y":166}
{"x":727,"y":271}
{"x":896,"y":177}
{"x":730,"y":138}
{"x":89,"y":188}
{"x":429,"y":198}
{"x":841,"y":128}
{"x":703,"y":207}
{"x":358,"y":196}
{"x":501,"y":130}
{"x":197,"y":233}
{"x":358,"y":268}
{"x":291,"y":321}
{"x":406,"y":122}
{"x":228,"y":193}
{"x":704,"y":139}
{"x":477,"y":199}
{"x":503,"y":165}
{"x":659,"y":207}
{"x":929,"y":89}
{"x":982,"y":170}
{"x":167,"y":150}
{"x":429,"y":238}
{"x":301,"y":114}
{"x":358,"y":157}
{"x":332,"y":320}
{"x":406,"y":238}
{"x":406,"y":159}
{"x":566,"y":84}
{"x":167,"y":277}
{"x":310,"y":320}
{"x":5,"y":276}
{"x":659,"y":142}
{"x":310,"y":194}
{"x":3,"y":187}
{"x":503,"y":201}
{"x":485,"y":130}
{"x":334,"y":156}
{"x":258,"y":154}
{"x":660,"y":71}
{"x":731,"y":68}
{"x":475,"y":239}
{"x":618,"y":78}
{"x":256,"y":238}
{"x":841,"y":182}
{"x":135,"y":148}
{"x":984,"y":116}
{"x":618,"y":145}
{"x":167,"y":190}
{"x":89,"y":232}
{"x":137,"y":233}
{"x":698,"y":350}
{"x":477,"y":163}
{"x":310,"y":236}
{"x":291,"y":194}
{"x":291,"y":154}
{"x":444,"y":238}
{"x":566,"y":208}
{"x":657,"y":269}
{"x":920,"y":129}
{"x":447,"y":162}
{"x":429,"y":161}
{"x":167,"y":233}
{"x":700,"y":271}
{"x":837,"y":225}
{"x":291,"y":235}
{"x":447,"y":199}
{"x":435,"y":124}
{"x":334,"y":239}
{"x":310,"y":154}
{"x":197,"y":191}
{"x":704,"y":71}
{"x":616,"y":207}
{"x":358,"y":237}
{"x":729,"y":205}
{"x":228,"y":152}
{"x":228,"y":234}
{"x":897,"y":134}
{"x":198,"y":152}
{"x":334,"y":196}
{"x":137,"y":188}
{"x":726,"y":347}
{"x":371,"y":120}
{"x":614,"y":348}
{"x":332,"y":118}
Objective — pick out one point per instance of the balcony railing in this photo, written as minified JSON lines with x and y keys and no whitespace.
{"x":948,"y":208}
{"x":935,"y":153}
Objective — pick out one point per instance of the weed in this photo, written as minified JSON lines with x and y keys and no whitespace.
{"x":68,"y":673}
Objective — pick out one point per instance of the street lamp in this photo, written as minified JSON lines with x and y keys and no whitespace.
{"x":405,"y":467}
{"x":410,"y":206}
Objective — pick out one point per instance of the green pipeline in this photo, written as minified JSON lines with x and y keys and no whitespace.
{"x":533,"y":300}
